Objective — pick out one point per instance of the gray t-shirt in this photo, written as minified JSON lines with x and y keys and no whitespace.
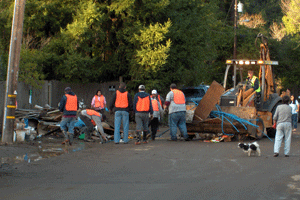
{"x":173,"y":106}
{"x":283,"y":113}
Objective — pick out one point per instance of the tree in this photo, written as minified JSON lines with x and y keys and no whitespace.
{"x":153,"y":50}
{"x":291,"y":19}
{"x":252,"y":21}
{"x":277,"y":31}
{"x":195,"y":34}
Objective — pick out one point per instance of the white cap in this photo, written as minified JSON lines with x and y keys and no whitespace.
{"x":154,"y":92}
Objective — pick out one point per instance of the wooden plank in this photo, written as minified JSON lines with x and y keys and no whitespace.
{"x":215,"y":126}
{"x":239,"y":98}
{"x":208,"y":102}
{"x":249,"y":100}
{"x":247,"y":93}
{"x":241,"y":112}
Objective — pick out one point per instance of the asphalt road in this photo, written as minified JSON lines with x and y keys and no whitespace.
{"x":158,"y":170}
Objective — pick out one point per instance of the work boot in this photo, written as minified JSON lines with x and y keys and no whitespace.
{"x":71,"y":138}
{"x":145,"y":135}
{"x":66,"y":141}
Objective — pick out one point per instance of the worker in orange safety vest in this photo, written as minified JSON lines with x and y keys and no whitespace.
{"x":175,"y":101}
{"x":98,"y":102}
{"x":157,"y":112}
{"x":142,"y":108}
{"x":69,"y":106}
{"x":91,"y":118}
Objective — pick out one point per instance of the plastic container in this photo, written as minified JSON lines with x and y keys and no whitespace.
{"x":82,"y":136}
{"x":20,"y":135}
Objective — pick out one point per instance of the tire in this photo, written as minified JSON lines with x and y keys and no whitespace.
{"x":271,"y":132}
{"x":261,"y":128}
{"x":274,"y":108}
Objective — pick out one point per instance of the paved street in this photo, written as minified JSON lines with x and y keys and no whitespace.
{"x":158,"y":170}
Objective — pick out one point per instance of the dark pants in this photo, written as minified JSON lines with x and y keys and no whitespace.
{"x":154,"y":126}
{"x":88,"y":129}
{"x":142,"y":120}
{"x":294,"y":120}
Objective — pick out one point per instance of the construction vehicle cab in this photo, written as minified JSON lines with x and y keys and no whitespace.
{"x":241,"y":96}
{"x":269,"y":98}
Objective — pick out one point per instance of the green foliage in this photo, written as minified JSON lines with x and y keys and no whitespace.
{"x":153,"y":51}
{"x":270,"y":10}
{"x":146,"y":42}
{"x":288,"y":54}
{"x":194,"y":35}
{"x":291,"y":19}
{"x":30,"y":72}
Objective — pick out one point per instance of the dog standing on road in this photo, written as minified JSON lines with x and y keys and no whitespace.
{"x":250,"y":148}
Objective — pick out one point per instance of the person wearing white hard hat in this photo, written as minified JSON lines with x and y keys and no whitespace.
{"x":161,"y":100}
{"x":157,"y":112}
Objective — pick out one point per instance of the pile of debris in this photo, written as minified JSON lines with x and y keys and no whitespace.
{"x":33,"y":123}
{"x":43,"y":121}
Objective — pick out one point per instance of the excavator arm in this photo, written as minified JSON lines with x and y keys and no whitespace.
{"x":265,"y":56}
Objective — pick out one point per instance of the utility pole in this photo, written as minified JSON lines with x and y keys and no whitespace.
{"x":12,"y":72}
{"x":235,"y":42}
{"x":235,"y":27}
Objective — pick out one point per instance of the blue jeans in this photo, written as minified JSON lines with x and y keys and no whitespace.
{"x":68,"y":123}
{"x":121,"y":116}
{"x":283,"y":129}
{"x":294,"y":120}
{"x":177,"y":119}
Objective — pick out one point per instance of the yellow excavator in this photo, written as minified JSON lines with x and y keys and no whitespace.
{"x":240,"y":100}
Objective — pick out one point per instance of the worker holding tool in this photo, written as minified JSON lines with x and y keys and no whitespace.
{"x":91,"y":118}
{"x":99,"y":102}
{"x":68,"y":105}
{"x":121,"y":104}
{"x":143,"y":109}
{"x":175,"y":101}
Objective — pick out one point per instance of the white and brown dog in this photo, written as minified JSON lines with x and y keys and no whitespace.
{"x":250,"y":148}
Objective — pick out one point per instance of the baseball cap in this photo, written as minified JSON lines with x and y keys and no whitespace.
{"x":141,"y":87}
{"x":67,"y":89}
{"x":154,"y":92}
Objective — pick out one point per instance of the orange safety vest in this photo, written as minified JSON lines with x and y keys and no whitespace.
{"x":71,"y":104}
{"x":155,"y":105}
{"x":99,"y":103}
{"x":178,"y":96}
{"x":92,"y":112}
{"x":143,"y":104}
{"x":121,"y":99}
{"x":158,"y":96}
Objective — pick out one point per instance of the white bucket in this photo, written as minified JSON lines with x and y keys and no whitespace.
{"x":189,"y":116}
{"x":20,"y":135}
